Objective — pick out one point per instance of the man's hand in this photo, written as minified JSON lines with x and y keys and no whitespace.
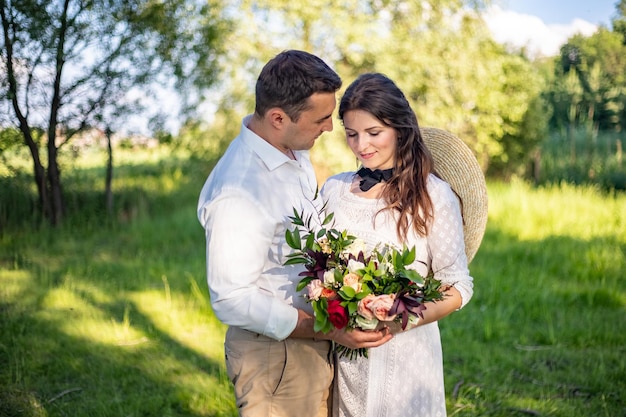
{"x":355,"y":339}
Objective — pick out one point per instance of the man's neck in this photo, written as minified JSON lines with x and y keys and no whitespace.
{"x":259,"y":128}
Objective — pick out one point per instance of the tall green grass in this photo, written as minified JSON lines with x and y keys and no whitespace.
{"x":111,"y":316}
{"x":583,"y":156}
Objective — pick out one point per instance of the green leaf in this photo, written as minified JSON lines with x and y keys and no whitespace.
{"x":321,"y":324}
{"x":334,"y":234}
{"x":338,"y":275}
{"x":328,"y":219}
{"x":293,"y":239}
{"x":365,"y":291}
{"x":310,"y":240}
{"x":296,"y":261}
{"x":347,"y":293}
{"x":303,"y":283}
{"x":328,"y":328}
{"x":352,"y":307}
{"x":297,"y":218}
{"x":413,"y":276}
{"x":408,"y":256}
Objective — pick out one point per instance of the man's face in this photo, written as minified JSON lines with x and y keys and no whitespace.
{"x":312,"y":122}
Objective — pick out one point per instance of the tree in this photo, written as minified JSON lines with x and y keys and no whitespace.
{"x":596,"y":65}
{"x":619,"y":22}
{"x":439,"y":52}
{"x":70,"y":65}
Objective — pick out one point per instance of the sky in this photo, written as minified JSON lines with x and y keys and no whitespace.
{"x":543,"y":26}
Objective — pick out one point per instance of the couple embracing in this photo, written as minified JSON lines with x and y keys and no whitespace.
{"x":279,"y":365}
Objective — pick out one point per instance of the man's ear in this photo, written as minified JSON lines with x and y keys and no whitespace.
{"x":277,"y":117}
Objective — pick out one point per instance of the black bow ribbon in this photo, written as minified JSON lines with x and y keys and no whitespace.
{"x":371,"y":178}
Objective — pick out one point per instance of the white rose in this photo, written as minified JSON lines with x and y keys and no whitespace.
{"x":329,"y":276}
{"x":354,"y":265}
{"x":366,"y":324}
{"x":355,"y":247}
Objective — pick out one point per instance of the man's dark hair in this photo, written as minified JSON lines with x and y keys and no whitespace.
{"x":289,"y":79}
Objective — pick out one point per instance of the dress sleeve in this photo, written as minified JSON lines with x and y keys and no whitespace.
{"x":446,"y":242}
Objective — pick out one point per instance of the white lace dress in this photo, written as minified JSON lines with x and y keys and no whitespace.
{"x":404,"y":377}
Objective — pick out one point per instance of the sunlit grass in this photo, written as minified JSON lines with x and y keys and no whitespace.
{"x":113,"y":318}
{"x":557,"y":210}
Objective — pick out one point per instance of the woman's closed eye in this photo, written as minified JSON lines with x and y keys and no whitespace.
{"x":354,"y":135}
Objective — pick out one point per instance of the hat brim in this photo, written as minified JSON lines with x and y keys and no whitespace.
{"x":456,"y":164}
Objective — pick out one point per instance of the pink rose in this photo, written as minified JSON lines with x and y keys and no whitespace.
{"x":315,"y":288}
{"x":363,"y":308}
{"x":381,"y":305}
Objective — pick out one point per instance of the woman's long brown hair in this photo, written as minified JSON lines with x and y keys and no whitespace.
{"x":405,"y":192}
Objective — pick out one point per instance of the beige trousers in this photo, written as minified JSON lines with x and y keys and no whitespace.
{"x":288,"y":378}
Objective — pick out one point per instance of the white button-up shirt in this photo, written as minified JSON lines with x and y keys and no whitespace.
{"x":244,"y":208}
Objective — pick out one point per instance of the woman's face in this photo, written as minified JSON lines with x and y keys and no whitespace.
{"x":372,"y":142}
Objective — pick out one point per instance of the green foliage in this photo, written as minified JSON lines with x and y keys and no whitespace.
{"x":107,"y":318}
{"x":619,"y":21}
{"x":9,"y":138}
{"x":341,"y":272}
{"x":590,"y":82}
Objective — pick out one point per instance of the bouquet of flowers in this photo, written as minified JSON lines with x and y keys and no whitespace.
{"x":348,"y":286}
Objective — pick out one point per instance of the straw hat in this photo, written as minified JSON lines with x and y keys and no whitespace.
{"x":456,"y":164}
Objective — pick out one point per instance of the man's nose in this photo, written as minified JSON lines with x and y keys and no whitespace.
{"x":328,"y":126}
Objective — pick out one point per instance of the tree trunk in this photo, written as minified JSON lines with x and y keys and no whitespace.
{"x":108,"y":192}
{"x":54,"y":174}
{"x":39,"y":171}
{"x":54,"y":181}
{"x":572,"y":143}
{"x":537,"y":166}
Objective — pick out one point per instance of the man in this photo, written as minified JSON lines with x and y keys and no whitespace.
{"x":279,"y":366}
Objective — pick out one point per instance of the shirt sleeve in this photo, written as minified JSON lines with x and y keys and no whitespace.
{"x":239,"y":236}
{"x":446,"y":243}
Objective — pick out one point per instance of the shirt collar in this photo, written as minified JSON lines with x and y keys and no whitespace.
{"x":271,"y":157}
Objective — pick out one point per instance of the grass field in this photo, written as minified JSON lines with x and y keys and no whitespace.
{"x":112,"y":318}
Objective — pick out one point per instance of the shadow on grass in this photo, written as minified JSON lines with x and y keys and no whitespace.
{"x":94,"y":318}
{"x":544,"y":334}
{"x":51,"y":366}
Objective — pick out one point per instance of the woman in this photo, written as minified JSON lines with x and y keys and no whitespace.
{"x":396,"y":198}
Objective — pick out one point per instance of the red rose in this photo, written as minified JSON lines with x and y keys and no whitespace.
{"x":337,"y":314}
